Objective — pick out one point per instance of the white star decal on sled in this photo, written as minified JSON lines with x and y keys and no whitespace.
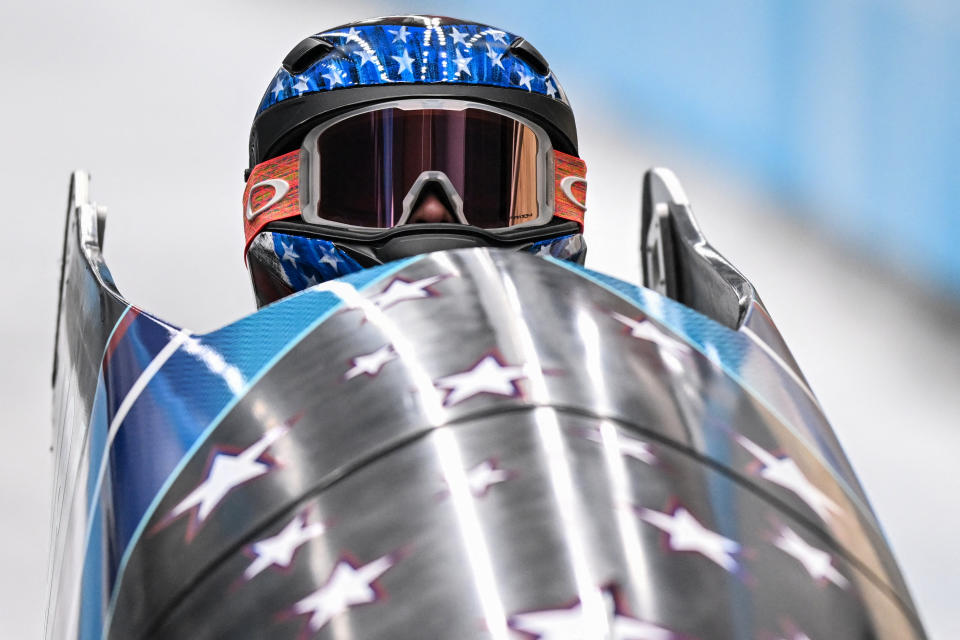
{"x":685,"y":533}
{"x":301,"y":85}
{"x":401,"y":290}
{"x":279,"y":550}
{"x":312,"y":281}
{"x":278,"y":88}
{"x":495,"y":58}
{"x":458,"y":37}
{"x":790,"y":632}
{"x":347,"y":586}
{"x":485,"y":475}
{"x":405,"y":62}
{"x":525,"y":79}
{"x":371,"y":363}
{"x":644,"y":329}
{"x":631,"y":447}
{"x":399,"y":35}
{"x":571,"y":623}
{"x":227,"y":472}
{"x":463,"y":63}
{"x":366,"y":56}
{"x":496,"y":35}
{"x":289,"y":254}
{"x":334,"y":77}
{"x":671,"y":350}
{"x":818,"y":563}
{"x":487,"y":376}
{"x":785,"y":472}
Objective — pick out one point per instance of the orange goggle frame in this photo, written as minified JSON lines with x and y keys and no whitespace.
{"x":273,"y":191}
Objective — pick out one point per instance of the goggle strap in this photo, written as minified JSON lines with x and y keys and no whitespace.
{"x":272,"y":193}
{"x":570,"y":187}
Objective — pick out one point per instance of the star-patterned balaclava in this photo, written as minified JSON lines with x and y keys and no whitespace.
{"x":398,"y":136}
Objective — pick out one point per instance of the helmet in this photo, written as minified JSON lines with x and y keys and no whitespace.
{"x":397,"y":136}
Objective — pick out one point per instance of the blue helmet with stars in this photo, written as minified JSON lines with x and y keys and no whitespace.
{"x":422,"y":56}
{"x":482,"y":90}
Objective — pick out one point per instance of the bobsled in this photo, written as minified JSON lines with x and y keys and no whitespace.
{"x":477,"y":443}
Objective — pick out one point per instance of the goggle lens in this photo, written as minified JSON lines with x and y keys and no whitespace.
{"x":365,"y":165}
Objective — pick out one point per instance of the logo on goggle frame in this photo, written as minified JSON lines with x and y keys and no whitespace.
{"x":566,"y":185}
{"x":280,"y":188}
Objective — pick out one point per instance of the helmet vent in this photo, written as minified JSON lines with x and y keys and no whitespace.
{"x":522,"y":49}
{"x":306,"y":53}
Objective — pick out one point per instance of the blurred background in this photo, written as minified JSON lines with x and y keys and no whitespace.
{"x":817,"y":141}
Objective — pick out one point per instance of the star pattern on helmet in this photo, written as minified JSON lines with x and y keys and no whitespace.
{"x":371,"y":363}
{"x":400,"y":290}
{"x":226,"y":471}
{"x":496,"y":35}
{"x":818,"y":563}
{"x":280,"y":549}
{"x":400,"y":35}
{"x":405,"y":62}
{"x":551,"y":87}
{"x":347,"y":587}
{"x":301,"y":85}
{"x":430,"y":53}
{"x":463,"y":63}
{"x":366,"y":57}
{"x":524,"y":79}
{"x":573,"y":623}
{"x":458,"y":37}
{"x":351,"y":35}
{"x":685,"y":533}
{"x":496,"y":57}
{"x":334,"y":76}
{"x":784,"y":471}
{"x":489,"y":376}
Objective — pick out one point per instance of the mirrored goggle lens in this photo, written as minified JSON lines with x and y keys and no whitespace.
{"x":367,"y":164}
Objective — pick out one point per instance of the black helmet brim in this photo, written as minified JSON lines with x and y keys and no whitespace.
{"x":281,"y":128}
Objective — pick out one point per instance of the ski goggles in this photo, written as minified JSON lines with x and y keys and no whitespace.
{"x":368,"y":170}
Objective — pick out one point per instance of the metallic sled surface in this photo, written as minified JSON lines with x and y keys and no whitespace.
{"x":467,"y":444}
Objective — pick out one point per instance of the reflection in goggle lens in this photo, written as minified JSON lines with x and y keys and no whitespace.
{"x":368,"y":163}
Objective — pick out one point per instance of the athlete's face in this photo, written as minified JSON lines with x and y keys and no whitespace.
{"x":431,"y":208}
